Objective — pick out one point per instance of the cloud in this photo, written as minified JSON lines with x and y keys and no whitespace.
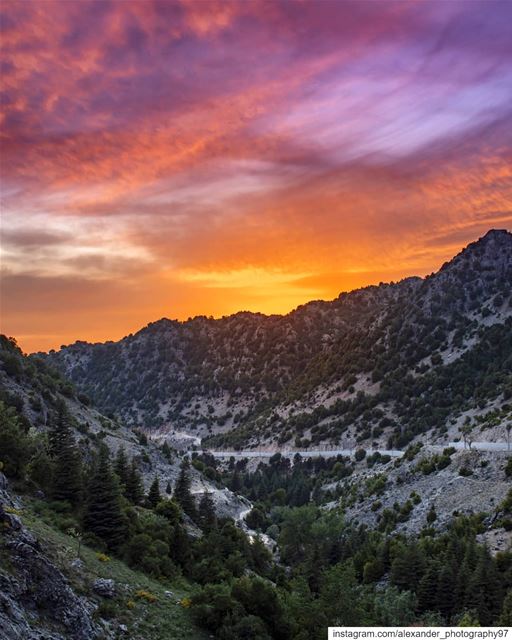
{"x":226,"y":155}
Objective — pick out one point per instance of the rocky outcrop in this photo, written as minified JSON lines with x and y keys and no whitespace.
{"x":36,"y":600}
{"x":104,"y":587}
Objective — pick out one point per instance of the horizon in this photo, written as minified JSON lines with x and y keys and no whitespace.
{"x":266,"y":315}
{"x":203,"y":158}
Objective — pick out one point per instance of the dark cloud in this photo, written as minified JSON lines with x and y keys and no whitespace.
{"x":31,"y":238}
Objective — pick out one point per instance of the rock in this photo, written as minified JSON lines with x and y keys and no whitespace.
{"x":12,"y":521}
{"x":77,"y":564}
{"x":123,"y":628}
{"x":104,"y":587}
{"x":168,"y":594}
{"x":36,"y":600}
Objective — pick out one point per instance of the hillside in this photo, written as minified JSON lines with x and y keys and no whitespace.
{"x":88,"y":548}
{"x":384,"y":363}
{"x":285,"y":549}
{"x":34,"y":390}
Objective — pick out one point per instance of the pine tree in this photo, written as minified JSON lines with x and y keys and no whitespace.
{"x":67,"y":473}
{"x":154,"y":496}
{"x":464,"y":574}
{"x":168,"y":488}
{"x":121,"y":467}
{"x":506,"y":611}
{"x":103,"y":515}
{"x":407,"y":568}
{"x":134,"y":489}
{"x":182,"y":493}
{"x":236,"y":484}
{"x":427,"y":589}
{"x":207,"y":517}
{"x":483,"y":588}
{"x":180,"y":546}
{"x":445,"y":592}
{"x":166,"y":450}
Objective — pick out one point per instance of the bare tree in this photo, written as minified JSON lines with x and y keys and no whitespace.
{"x":467,"y":436}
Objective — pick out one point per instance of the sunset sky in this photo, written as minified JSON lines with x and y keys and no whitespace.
{"x":200,"y":157}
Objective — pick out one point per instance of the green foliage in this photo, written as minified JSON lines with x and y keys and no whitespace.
{"x":182,"y":493}
{"x":154,"y":496}
{"x":15,"y":443}
{"x":207,"y":519}
{"x":134,"y":490}
{"x":67,"y":470}
{"x":103,"y":515}
{"x":394,"y":608}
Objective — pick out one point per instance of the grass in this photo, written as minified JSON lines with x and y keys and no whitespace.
{"x":151,"y":616}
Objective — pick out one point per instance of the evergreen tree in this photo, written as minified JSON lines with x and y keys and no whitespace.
{"x":236,"y":483}
{"x":166,"y":450}
{"x":506,"y":611}
{"x":182,"y":493}
{"x":103,"y":515}
{"x":482,"y":590}
{"x":180,"y":546}
{"x":168,"y":488}
{"x":407,"y":568}
{"x":134,"y":488}
{"x":445,"y":591}
{"x":428,"y":588}
{"x":67,"y":473}
{"x":14,"y":443}
{"x":466,"y":569}
{"x":207,"y":517}
{"x":154,"y":496}
{"x":121,"y":467}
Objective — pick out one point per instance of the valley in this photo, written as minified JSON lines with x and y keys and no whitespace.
{"x":264,"y":463}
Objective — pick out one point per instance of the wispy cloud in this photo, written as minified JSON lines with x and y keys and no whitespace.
{"x":181,"y":157}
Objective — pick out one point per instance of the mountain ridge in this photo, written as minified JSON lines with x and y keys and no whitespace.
{"x":164,"y":320}
{"x":210,"y":376}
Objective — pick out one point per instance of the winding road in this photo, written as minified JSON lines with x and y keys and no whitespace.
{"x":329,"y":453}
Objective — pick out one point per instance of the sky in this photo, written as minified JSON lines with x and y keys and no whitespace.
{"x":182,"y":158}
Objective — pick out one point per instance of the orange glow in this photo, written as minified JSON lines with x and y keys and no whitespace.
{"x":180,"y":158}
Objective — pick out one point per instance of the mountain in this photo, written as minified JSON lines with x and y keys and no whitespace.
{"x":34,"y":390}
{"x":384,"y":363}
{"x":419,"y":537}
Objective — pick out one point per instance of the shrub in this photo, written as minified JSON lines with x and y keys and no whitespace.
{"x":465,"y":471}
{"x":142,"y":594}
{"x":359,"y":455}
{"x":102,"y":557}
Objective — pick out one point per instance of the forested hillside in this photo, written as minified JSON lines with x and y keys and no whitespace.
{"x":386,"y":362}
{"x":87,"y":551}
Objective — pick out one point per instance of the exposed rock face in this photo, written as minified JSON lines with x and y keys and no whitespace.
{"x":104,"y":587}
{"x":446,"y":491}
{"x":36,"y":600}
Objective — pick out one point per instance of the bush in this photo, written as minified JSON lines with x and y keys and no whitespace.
{"x":359,"y":455}
{"x":147,"y":596}
{"x":15,"y":444}
{"x":465,"y":471}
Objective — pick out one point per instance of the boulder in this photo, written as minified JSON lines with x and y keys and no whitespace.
{"x":104,"y":587}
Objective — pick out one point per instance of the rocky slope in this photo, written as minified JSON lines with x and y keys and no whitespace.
{"x":386,"y":362}
{"x":48,"y":593}
{"x":34,"y":389}
{"x":401,"y":494}
{"x":36,"y":600}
